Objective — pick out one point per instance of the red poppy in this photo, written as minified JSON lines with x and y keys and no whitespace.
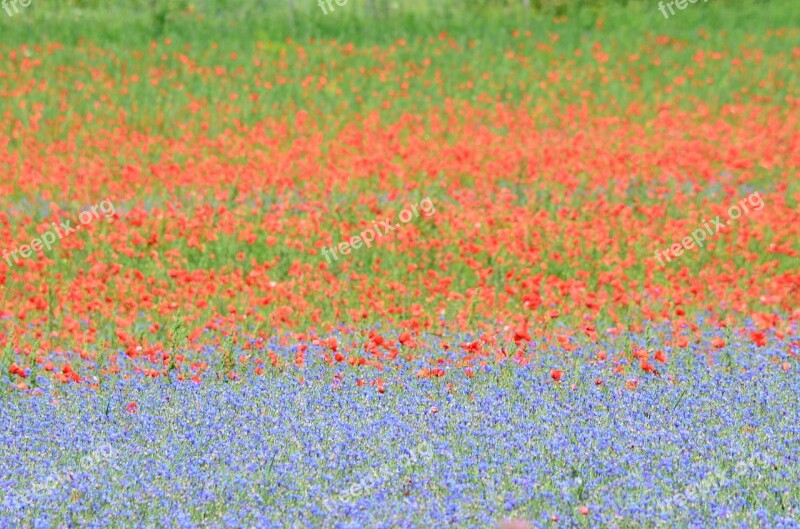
{"x":647,"y":367}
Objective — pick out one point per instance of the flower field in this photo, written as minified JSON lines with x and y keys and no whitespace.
{"x":404,"y":269}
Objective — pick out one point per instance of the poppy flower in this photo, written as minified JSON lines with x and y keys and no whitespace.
{"x":758,"y":338}
{"x":521,"y":335}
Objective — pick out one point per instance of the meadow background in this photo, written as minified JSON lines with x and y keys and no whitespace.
{"x":193,"y":360}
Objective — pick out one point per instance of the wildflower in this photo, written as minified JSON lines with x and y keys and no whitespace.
{"x":758,"y":338}
{"x":14,"y":369}
{"x":647,"y":367}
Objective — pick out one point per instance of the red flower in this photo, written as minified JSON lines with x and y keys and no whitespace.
{"x":14,"y":369}
{"x":555,"y":374}
{"x":406,"y":339}
{"x":759,"y":338}
{"x":521,"y":335}
{"x":132,"y":408}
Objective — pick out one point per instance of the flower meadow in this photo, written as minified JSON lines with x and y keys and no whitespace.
{"x":575,"y":300}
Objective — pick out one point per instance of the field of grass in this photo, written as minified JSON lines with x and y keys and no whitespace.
{"x":399,"y":265}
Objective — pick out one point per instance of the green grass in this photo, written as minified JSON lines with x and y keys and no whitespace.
{"x":115,"y":40}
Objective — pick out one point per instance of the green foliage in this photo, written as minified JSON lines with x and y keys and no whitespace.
{"x":7,"y":357}
{"x":203,"y":21}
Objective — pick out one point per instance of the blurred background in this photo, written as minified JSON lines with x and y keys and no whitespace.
{"x":358,"y":19}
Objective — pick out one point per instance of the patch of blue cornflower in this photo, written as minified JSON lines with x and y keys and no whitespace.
{"x":700,"y":446}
